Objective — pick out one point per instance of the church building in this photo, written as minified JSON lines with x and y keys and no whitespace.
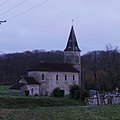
{"x":44,"y":77}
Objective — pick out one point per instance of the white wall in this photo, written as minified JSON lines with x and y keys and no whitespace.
{"x":49,"y":83}
{"x":33,"y":89}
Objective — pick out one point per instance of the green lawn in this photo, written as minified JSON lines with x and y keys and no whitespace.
{"x":13,"y":102}
{"x":4,"y":90}
{"x":62,"y":113}
{"x":20,"y":102}
{"x":50,"y":108}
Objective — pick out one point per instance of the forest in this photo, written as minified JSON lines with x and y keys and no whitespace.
{"x":14,"y":65}
{"x":100,"y":69}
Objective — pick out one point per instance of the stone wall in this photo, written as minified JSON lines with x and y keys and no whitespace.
{"x":33,"y":89}
{"x":50,"y":82}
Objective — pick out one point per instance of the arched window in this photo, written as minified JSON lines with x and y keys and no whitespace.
{"x":43,"y":77}
{"x":57,"y":77}
{"x":31,"y":91}
{"x":73,"y":77}
{"x":65,"y":77}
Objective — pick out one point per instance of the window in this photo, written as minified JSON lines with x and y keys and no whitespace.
{"x":43,"y":77}
{"x":73,"y":77}
{"x":32,"y":91}
{"x":57,"y":77}
{"x":65,"y":77}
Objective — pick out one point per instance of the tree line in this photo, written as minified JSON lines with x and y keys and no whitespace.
{"x":100,"y":69}
{"x":14,"y":65}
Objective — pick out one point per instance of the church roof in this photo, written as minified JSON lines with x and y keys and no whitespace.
{"x":53,"y":67}
{"x":17,"y":86}
{"x":72,"y":44}
{"x":29,"y":80}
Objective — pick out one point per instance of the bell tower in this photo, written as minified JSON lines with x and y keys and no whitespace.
{"x":72,"y":53}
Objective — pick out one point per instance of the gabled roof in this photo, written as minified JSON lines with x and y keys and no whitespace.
{"x":72,"y":44}
{"x":29,"y":80}
{"x":17,"y":86}
{"x":53,"y":67}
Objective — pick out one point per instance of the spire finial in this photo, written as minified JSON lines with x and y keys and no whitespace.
{"x":72,"y":21}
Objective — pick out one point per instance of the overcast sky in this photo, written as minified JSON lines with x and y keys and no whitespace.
{"x":96,"y":23}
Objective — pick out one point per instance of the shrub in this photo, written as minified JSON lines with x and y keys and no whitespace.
{"x":83,"y":94}
{"x":46,"y":93}
{"x":58,"y":93}
{"x":74,"y":88}
{"x":27,"y":92}
{"x":61,"y":93}
{"x":36,"y":94}
{"x":77,"y":94}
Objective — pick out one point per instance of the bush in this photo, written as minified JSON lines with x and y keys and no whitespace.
{"x":78,"y":93}
{"x":36,"y":94}
{"x":58,"y":93}
{"x":84,"y":93}
{"x":27,"y":92}
{"x":74,"y":88}
{"x":61,"y":93}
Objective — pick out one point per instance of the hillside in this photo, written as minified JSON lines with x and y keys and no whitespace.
{"x":100,"y":69}
{"x":14,"y":65}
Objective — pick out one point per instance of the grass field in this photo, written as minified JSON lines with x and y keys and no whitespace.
{"x":49,"y":108}
{"x":36,"y":102}
{"x":4,"y":90}
{"x":62,"y":113}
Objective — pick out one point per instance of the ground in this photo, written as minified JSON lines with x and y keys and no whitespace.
{"x":62,"y":113}
{"x":49,"y":108}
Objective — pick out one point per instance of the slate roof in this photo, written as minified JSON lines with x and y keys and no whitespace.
{"x":17,"y":86}
{"x":72,"y":44}
{"x":53,"y":67}
{"x":30,"y":80}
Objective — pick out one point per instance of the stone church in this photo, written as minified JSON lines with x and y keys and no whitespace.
{"x":44,"y":77}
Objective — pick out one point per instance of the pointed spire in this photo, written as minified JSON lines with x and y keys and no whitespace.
{"x":72,"y":21}
{"x":72,"y":42}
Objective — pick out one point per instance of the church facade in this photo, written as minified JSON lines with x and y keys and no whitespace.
{"x":47,"y":76}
